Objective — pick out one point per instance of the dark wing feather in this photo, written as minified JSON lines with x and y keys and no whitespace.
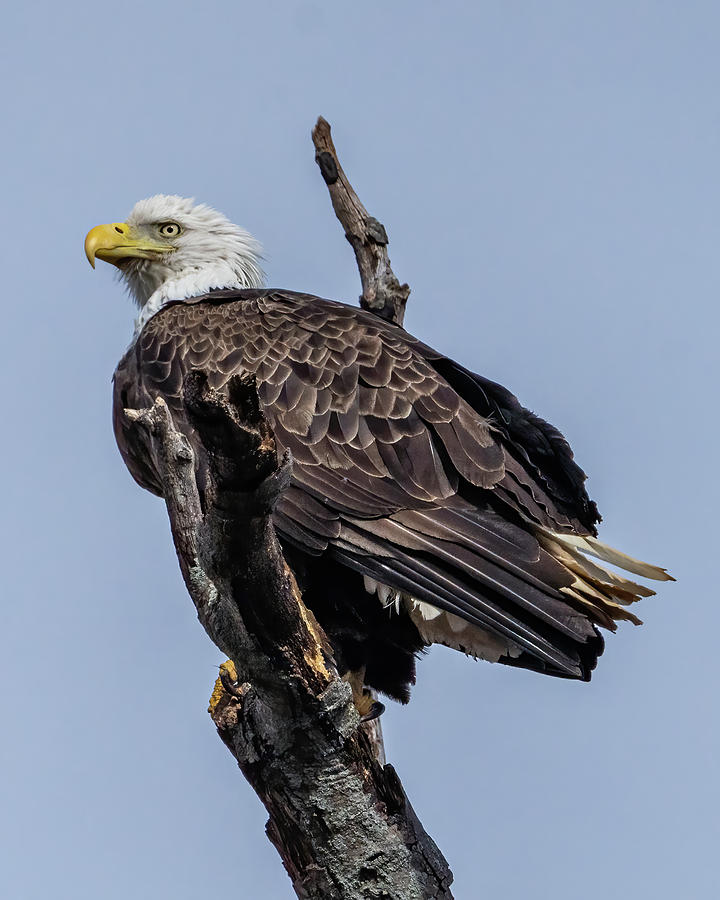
{"x":396,"y":450}
{"x":541,"y":462}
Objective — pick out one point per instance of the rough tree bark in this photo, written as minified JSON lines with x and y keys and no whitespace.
{"x":382,"y":292}
{"x":340,"y":820}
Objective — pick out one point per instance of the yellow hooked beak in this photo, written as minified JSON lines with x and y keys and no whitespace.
{"x":118,"y":241}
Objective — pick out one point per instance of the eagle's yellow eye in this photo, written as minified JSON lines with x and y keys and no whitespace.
{"x":169,"y":229}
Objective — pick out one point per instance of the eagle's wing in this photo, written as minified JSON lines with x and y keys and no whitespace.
{"x":408,"y":468}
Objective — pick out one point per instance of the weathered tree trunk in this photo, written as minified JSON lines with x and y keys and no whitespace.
{"x":339,"y":818}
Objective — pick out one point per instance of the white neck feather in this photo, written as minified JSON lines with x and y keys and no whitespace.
{"x":185,"y":285}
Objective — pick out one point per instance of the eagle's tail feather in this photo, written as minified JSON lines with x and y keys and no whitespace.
{"x":541,"y":592}
{"x":596,"y":586}
{"x":591,"y":546}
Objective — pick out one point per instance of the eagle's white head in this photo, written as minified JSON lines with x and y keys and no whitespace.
{"x":169,"y":249}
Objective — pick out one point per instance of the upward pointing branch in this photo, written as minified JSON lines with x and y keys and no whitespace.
{"x":382,"y":292}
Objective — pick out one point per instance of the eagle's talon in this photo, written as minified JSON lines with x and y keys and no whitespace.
{"x":365,"y":703}
{"x":229,"y":679}
{"x":376,"y":710}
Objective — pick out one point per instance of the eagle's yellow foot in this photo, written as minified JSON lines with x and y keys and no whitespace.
{"x":225,"y":684}
{"x":368,"y":707}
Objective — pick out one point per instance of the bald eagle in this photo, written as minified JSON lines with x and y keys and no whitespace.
{"x":426,"y":504}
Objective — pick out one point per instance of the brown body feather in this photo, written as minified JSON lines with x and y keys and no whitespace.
{"x":409,"y":470}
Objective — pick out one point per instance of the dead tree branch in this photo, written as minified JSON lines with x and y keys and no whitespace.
{"x":382,"y":292}
{"x":340,"y":820}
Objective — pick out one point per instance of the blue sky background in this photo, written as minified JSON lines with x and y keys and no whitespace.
{"x":548,"y":174}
